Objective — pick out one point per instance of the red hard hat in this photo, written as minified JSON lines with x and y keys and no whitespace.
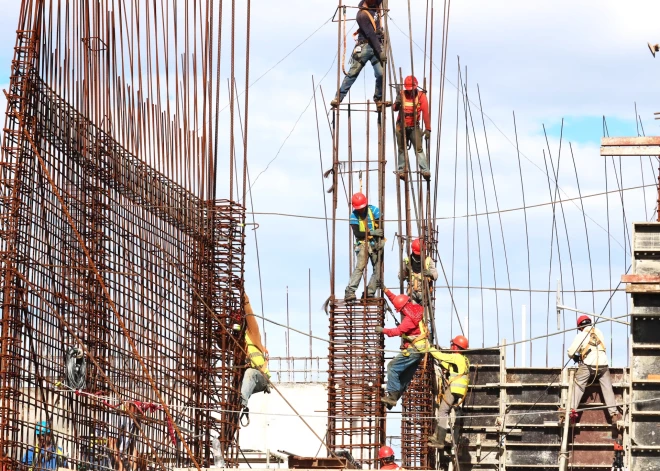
{"x":410,"y":83}
{"x":359,"y":201}
{"x":399,"y":301}
{"x":583,"y":320}
{"x":461,"y":341}
{"x":416,"y":247}
{"x":385,"y":452}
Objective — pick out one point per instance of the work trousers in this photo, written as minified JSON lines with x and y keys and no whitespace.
{"x":254,"y":381}
{"x":401,"y":369}
{"x":364,"y":252}
{"x":584,"y":375}
{"x":448,"y":400}
{"x":414,"y":135}
{"x":360,"y":59}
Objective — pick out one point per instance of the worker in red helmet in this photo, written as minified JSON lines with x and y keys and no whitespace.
{"x":368,"y":48}
{"x":453,"y":385}
{"x":401,"y":369}
{"x":415,"y":271}
{"x":588,"y":349}
{"x":412,"y":104}
{"x":386,"y":458}
{"x":369,"y":244}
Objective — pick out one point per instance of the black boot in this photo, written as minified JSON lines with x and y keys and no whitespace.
{"x":438,"y":440}
{"x":390,"y":399}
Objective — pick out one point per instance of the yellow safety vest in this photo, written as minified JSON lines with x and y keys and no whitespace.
{"x":256,"y":357}
{"x":362,"y":223}
{"x":458,"y":366}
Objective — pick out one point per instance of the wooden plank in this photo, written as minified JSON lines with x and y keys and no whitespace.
{"x":630,"y":141}
{"x":640,"y":278}
{"x":629,"y":150}
{"x":643,"y":288}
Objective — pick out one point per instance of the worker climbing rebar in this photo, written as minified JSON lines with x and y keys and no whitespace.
{"x":402,"y":368}
{"x":368,"y":48}
{"x":369,"y":244}
{"x":256,"y":375}
{"x":412,"y":104}
{"x":588,"y":349}
{"x":415,"y":271}
{"x":453,"y":385}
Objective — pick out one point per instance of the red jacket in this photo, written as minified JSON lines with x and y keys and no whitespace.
{"x":390,"y":466}
{"x":412,"y":315}
{"x":422,"y":105}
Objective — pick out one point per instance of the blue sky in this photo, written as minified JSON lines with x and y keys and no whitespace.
{"x":546,"y":61}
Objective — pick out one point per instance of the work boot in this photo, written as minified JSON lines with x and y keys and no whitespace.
{"x":438,"y":439}
{"x":401,"y":174}
{"x":334,"y":103}
{"x":390,"y":399}
{"x":427,"y":175}
{"x":349,"y":296}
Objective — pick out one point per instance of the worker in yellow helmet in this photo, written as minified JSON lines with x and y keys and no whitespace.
{"x":455,"y":381}
{"x":256,"y":378}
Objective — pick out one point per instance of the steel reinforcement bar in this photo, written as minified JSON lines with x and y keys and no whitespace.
{"x":356,"y":378}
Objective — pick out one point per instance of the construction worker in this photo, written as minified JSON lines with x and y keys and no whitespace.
{"x":588,"y":349}
{"x":386,"y":458}
{"x":45,"y":455}
{"x":365,"y":222}
{"x":401,"y":369}
{"x":369,"y":48}
{"x":412,"y":104}
{"x":415,"y":272}
{"x":455,"y":380}
{"x":256,"y":378}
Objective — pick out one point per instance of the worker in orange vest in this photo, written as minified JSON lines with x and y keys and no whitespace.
{"x":412,"y":104}
{"x":386,"y":458}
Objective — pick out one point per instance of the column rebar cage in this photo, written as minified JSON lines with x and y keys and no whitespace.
{"x":417,"y":419}
{"x":355,"y":412}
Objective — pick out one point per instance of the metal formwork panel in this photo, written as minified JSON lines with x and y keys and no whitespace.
{"x":644,"y":287}
{"x":477,"y":420}
{"x":355,"y":379}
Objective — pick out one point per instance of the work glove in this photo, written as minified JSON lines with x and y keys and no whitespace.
{"x":376,"y":233}
{"x":379,"y":329}
{"x":427,"y":134}
{"x":576,"y":357}
{"x":383,"y":57}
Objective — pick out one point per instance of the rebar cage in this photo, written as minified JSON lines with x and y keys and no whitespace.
{"x":122,"y":295}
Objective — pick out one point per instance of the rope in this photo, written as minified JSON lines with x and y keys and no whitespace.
{"x":110,"y":400}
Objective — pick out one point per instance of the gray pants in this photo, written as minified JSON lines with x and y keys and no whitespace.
{"x":414,"y":135}
{"x":365,"y":252}
{"x":583,"y":375}
{"x":254,"y":381}
{"x":448,"y":400}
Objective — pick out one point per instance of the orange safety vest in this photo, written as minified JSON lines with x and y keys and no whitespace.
{"x":411,"y":109}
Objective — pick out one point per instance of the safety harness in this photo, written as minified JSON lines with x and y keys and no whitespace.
{"x":411,"y":109}
{"x":415,"y":283}
{"x":377,"y":27}
{"x":594,"y":341}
